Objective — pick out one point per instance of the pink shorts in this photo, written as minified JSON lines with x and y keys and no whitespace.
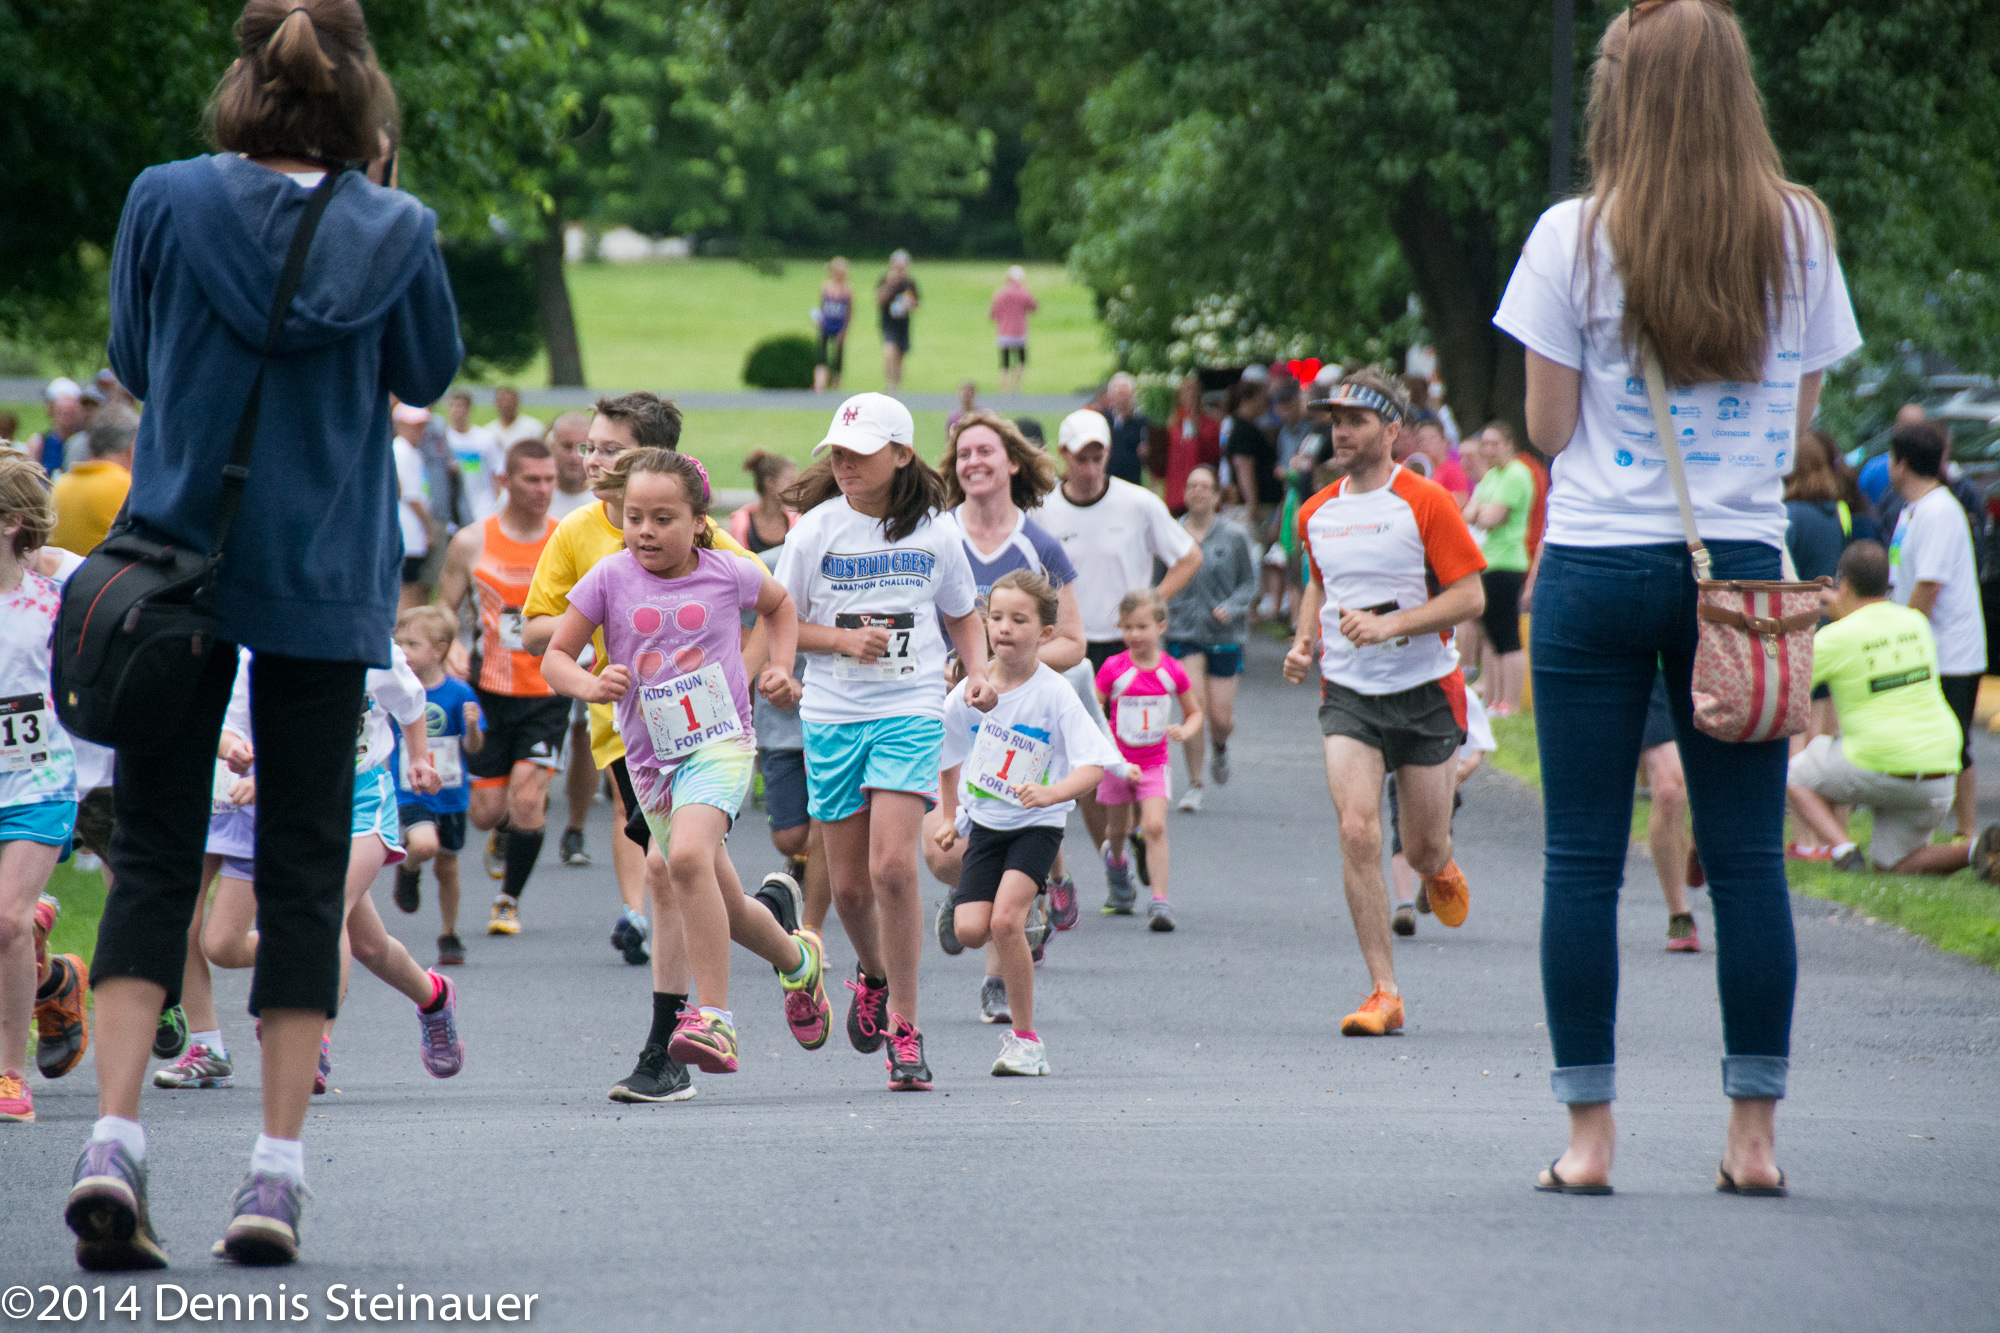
{"x":1116,"y":789}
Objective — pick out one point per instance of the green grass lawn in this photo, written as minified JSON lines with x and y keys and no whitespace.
{"x":1959,"y":912}
{"x":690,"y":323}
{"x":82,"y":897}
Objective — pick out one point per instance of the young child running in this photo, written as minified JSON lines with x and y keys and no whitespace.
{"x":1134,"y":687}
{"x":37,"y":805}
{"x":434,"y":825}
{"x":229,"y":937}
{"x":668,"y":605}
{"x":874,"y":574}
{"x":1020,"y":769}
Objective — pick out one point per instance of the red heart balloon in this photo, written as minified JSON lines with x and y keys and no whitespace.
{"x":1304,"y":368}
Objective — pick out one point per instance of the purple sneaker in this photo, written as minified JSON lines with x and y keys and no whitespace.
{"x":443,"y":1051}
{"x":107,"y":1211}
{"x":325,"y":1071}
{"x":1062,"y":902}
{"x":264,"y":1221}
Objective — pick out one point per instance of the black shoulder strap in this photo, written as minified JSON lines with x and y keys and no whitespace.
{"x":237,"y":471}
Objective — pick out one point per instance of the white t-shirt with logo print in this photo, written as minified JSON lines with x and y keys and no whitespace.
{"x":1609,"y":486}
{"x":1038,"y":732}
{"x":843,"y":571}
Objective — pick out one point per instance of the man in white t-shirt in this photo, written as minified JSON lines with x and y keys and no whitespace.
{"x":481,"y":456}
{"x":509,"y":426}
{"x":413,"y":501}
{"x":568,"y":438}
{"x":1112,"y":531}
{"x":1932,"y":569}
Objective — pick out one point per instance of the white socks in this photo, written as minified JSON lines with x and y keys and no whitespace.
{"x":117,"y":1129}
{"x":722,"y":1014}
{"x":212,"y":1040}
{"x":279,"y":1157}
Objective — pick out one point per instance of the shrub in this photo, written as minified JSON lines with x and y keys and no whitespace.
{"x":781,"y":362}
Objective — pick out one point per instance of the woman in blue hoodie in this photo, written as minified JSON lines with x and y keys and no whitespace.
{"x":310,"y":571}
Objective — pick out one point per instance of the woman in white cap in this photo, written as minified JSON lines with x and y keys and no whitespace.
{"x":874,"y":576}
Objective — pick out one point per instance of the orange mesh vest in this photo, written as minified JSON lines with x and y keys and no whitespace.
{"x":501,"y":578}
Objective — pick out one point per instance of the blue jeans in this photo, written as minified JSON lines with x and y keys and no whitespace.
{"x":1605,"y":620}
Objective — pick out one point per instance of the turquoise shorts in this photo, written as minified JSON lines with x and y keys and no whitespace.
{"x":50,"y":823}
{"x":717,"y":775}
{"x":846,"y":761}
{"x":375,"y":812}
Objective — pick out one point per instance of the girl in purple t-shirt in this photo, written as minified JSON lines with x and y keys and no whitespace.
{"x":668,"y":605}
{"x":1137,"y":688}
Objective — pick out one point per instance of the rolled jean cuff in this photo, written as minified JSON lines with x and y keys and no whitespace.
{"x":1754,"y":1075}
{"x":1577,"y":1084}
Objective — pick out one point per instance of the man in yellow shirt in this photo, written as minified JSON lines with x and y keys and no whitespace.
{"x":87,"y":498}
{"x":586,"y":536}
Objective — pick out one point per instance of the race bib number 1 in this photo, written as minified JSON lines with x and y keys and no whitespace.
{"x":1002,"y":759}
{"x":899,"y":659}
{"x":444,"y":758}
{"x":1143,"y":718}
{"x":688,"y":712}
{"x":24,"y":732}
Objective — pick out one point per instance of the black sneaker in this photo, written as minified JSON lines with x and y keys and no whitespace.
{"x":947,"y":931}
{"x":867,"y":1014}
{"x":571,"y":848}
{"x":780,"y":893}
{"x":1404,"y":922}
{"x":1138,"y":841}
{"x":409,"y":887}
{"x":107,"y":1211}
{"x":170,"y":1038}
{"x":264,"y":1221}
{"x":658,"y":1077}
{"x":907,"y":1070}
{"x":451,"y":951}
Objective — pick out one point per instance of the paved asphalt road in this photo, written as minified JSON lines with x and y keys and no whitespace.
{"x":1210,"y":1153}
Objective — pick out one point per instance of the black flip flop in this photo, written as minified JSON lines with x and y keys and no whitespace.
{"x":1726,"y":1184}
{"x":1562,"y":1186}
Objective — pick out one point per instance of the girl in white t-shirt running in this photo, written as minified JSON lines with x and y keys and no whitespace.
{"x":1019,"y":770}
{"x":874,"y":575}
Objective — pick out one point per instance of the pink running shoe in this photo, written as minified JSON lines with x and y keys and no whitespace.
{"x":806,"y":1010}
{"x":1062,"y":902}
{"x":443,"y":1050}
{"x":705,"y":1041}
{"x":325,"y":1071}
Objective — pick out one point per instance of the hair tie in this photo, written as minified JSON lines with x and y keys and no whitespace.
{"x":706,"y":490}
{"x":298,"y":9}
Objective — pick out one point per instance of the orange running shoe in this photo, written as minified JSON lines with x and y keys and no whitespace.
{"x":1450,"y":896}
{"x":1379,"y":1015}
{"x":62,"y":1025}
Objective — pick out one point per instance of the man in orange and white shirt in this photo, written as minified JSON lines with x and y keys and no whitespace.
{"x":527,"y":722}
{"x":1391,"y":568}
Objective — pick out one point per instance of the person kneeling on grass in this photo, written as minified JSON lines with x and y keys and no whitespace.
{"x":1898,"y":752}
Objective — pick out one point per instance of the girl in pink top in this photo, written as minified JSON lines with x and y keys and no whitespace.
{"x":668,"y":604}
{"x":1012,"y":305}
{"x":1137,"y":688}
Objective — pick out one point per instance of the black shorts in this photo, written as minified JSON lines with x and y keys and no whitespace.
{"x":1502,"y":617}
{"x":532,"y":731}
{"x":1101,"y":652}
{"x":636,"y":827}
{"x":1962,"y":692}
{"x":896,"y":334}
{"x":1396,"y":815}
{"x":1659,"y":718}
{"x":450,"y":825}
{"x":784,"y":787}
{"x":832,"y":346}
{"x":413,"y":568}
{"x":94,"y":821}
{"x":991,"y":853}
{"x":1010,"y":355}
{"x":1414,"y":728}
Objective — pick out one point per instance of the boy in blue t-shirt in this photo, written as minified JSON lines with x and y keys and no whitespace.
{"x":434,"y":826}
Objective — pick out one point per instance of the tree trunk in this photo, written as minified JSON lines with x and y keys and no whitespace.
{"x":558,"y":320}
{"x":1456,"y":266}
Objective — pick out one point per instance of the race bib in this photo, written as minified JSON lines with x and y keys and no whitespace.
{"x":690,"y":711}
{"x":24,"y":732}
{"x":1389,"y":645}
{"x":898,"y":660}
{"x":1143,"y":719}
{"x":511,"y":622}
{"x":1002,"y":759}
{"x":444,"y":758}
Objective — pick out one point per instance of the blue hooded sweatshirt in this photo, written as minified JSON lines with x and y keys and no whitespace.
{"x":312,"y":568}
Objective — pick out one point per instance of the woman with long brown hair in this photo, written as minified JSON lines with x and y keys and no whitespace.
{"x":1690,"y":242}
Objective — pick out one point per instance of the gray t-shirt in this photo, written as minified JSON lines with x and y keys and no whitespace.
{"x":777,"y":728}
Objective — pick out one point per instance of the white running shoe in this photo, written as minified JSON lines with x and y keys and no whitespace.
{"x":1190,"y":802}
{"x":1019,"y":1056}
{"x":1218,"y":767}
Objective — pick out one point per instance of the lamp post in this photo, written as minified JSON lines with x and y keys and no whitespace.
{"x":1562,"y":96}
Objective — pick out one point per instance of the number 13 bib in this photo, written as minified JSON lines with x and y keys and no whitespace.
{"x":690,"y":711}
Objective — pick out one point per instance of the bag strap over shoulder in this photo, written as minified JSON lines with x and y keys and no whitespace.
{"x":1663,"y":425}
{"x":236,"y":473}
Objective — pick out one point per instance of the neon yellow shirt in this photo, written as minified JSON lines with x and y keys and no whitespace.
{"x":1880,"y":663}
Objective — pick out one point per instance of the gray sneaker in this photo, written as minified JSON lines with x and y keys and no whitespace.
{"x":1037,"y":929}
{"x":264,"y":1221}
{"x":1218,"y":767}
{"x":1120,"y":894}
{"x":1404,"y":922}
{"x":993,"y":1002}
{"x":1160,"y":916}
{"x":198,"y":1068}
{"x":947,"y":932}
{"x":107,"y":1211}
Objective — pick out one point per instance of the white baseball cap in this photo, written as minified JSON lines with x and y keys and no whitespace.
{"x":867,"y":423}
{"x":62,"y":386}
{"x":1081,"y":429}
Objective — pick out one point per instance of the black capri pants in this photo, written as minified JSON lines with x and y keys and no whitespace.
{"x":1502,"y":617}
{"x":305,"y":714}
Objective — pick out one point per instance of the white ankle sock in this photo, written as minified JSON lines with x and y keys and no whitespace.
{"x":722,"y":1014}
{"x":279,"y":1157}
{"x":212,"y":1040}
{"x":117,"y":1129}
